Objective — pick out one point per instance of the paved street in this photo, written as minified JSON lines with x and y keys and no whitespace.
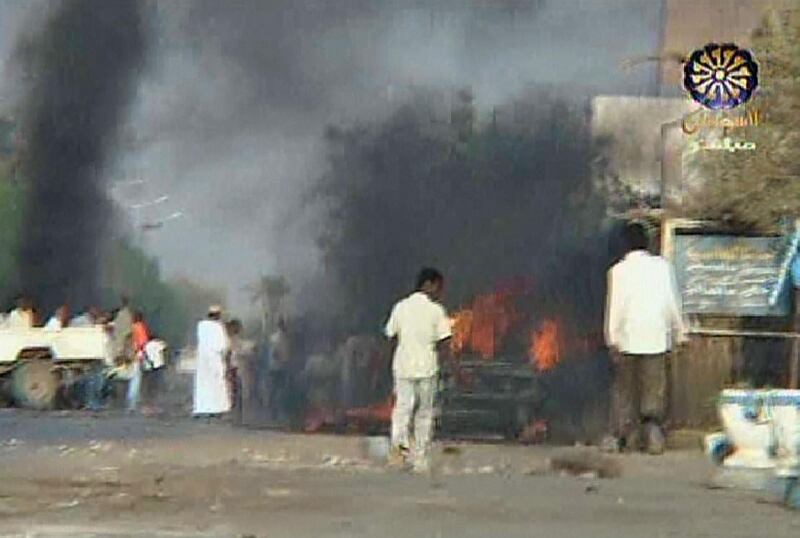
{"x":71,"y":474}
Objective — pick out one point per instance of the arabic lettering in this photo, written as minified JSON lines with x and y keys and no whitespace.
{"x":690,"y":124}
{"x":725,"y":274}
{"x":726,"y":144}
{"x":731,"y":252}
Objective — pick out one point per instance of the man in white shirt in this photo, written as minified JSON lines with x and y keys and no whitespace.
{"x":418,"y":328}
{"x":22,"y":316}
{"x":59,"y":320}
{"x":90,"y":318}
{"x":643,"y":319}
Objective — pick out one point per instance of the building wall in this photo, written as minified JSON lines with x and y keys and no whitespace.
{"x":641,"y":141}
{"x":708,"y":364}
{"x":627,"y":134}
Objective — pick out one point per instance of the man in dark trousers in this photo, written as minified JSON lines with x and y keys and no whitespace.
{"x":278,"y":372}
{"x":643,"y":320}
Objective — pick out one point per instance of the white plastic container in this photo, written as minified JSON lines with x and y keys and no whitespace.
{"x":763,"y":426}
{"x":376,"y":448}
{"x":784,"y":408}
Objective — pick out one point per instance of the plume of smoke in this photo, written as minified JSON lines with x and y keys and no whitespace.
{"x":484,"y":203}
{"x":81,"y":68}
{"x":491,"y":203}
{"x":243,"y":89}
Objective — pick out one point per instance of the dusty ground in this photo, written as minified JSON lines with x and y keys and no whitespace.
{"x":72,"y":474}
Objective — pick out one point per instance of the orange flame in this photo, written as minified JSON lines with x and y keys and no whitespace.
{"x":377,"y":412}
{"x":482,"y":327}
{"x":545,"y":349}
{"x":461,"y":328}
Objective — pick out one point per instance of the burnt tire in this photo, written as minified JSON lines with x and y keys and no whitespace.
{"x":34,"y":385}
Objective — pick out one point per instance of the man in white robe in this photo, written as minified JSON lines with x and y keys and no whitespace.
{"x":211,"y":395}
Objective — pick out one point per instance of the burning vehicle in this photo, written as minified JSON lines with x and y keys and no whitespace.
{"x":502,"y":372}
{"x":484,"y":390}
{"x":493,"y":383}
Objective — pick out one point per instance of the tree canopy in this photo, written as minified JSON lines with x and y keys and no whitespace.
{"x":170,"y":307}
{"x":756,"y":189}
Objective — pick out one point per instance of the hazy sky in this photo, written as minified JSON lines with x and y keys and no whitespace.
{"x":228,"y":119}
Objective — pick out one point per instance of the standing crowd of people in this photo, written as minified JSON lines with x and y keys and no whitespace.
{"x":643,"y":322}
{"x":233,"y":376}
{"x":131,"y":348}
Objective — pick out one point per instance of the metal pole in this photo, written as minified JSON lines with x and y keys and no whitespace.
{"x":794,"y":360}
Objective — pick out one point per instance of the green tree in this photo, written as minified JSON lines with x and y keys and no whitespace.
{"x":170,"y":307}
{"x":755,"y":189}
{"x":268,"y":293}
{"x":191,"y":304}
{"x":12,"y":197}
{"x":11,"y":202}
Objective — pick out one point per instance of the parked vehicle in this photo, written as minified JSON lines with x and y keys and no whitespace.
{"x":36,"y":365}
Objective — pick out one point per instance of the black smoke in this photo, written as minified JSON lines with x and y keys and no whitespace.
{"x":81,"y":69}
{"x":498,"y":201}
{"x":488,"y":200}
{"x":243,"y":89}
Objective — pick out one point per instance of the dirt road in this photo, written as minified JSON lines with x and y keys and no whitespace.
{"x":72,"y":474}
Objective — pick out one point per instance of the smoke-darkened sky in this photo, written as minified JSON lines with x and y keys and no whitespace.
{"x":228,"y":121}
{"x":80,"y":71}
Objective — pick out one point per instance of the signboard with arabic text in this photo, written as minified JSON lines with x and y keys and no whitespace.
{"x":732,"y":275}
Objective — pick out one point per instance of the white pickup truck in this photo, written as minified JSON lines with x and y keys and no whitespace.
{"x":37,"y":362}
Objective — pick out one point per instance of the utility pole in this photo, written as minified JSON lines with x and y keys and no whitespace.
{"x":794,"y":361}
{"x":139,"y":225}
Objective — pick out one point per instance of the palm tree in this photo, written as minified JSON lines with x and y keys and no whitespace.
{"x":268,"y":293}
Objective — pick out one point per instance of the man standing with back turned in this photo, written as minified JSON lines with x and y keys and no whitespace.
{"x":643,"y":318}
{"x":418,"y":329}
{"x":211,"y":397}
{"x":123,"y":324}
